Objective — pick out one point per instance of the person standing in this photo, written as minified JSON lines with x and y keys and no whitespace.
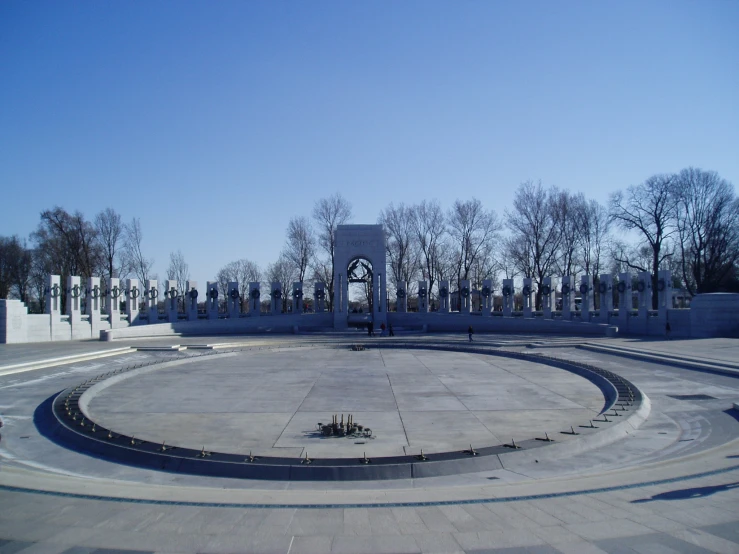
{"x":470,"y":331}
{"x":390,"y":329}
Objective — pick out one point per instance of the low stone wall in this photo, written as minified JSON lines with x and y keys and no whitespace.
{"x":715,"y":315}
{"x":282,"y":323}
{"x":456,"y":322}
{"x":711,"y":315}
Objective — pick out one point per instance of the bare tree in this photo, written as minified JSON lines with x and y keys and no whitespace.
{"x":69,"y":241}
{"x":708,"y":229}
{"x":650,"y":209}
{"x":300,"y":247}
{"x":592,"y":235}
{"x":179,"y":271}
{"x":140,"y":265}
{"x":400,"y":241}
{"x":472,"y":229}
{"x":244,"y":271}
{"x":283,"y":272}
{"x":429,"y":225}
{"x":568,"y":209}
{"x":68,"y":245}
{"x":41,"y":268}
{"x":10,"y":249}
{"x":110,"y":233}
{"x":329,"y":213}
{"x":536,"y":232}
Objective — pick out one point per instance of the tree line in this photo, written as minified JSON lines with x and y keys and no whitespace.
{"x":687,"y":222}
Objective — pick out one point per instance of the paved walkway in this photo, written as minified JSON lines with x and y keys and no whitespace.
{"x":670,"y":486}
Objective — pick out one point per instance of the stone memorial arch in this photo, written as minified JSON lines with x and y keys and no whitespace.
{"x":359,"y":254}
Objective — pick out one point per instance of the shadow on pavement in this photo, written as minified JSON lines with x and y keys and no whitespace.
{"x":683,"y":494}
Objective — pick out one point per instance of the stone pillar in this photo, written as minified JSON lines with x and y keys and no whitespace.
{"x":132,"y":301}
{"x":151,"y":300}
{"x":191,"y":300}
{"x":644,"y":288}
{"x":93,"y":303}
{"x":465,"y":297}
{"x":444,"y":297}
{"x":625,"y":299}
{"x":486,"y":297}
{"x":345,"y":296}
{"x":113,"y":302}
{"x":211,"y":301}
{"x":319,"y":297}
{"x":605,"y":292}
{"x":379,"y":313}
{"x":171,"y":303}
{"x":528,"y":308}
{"x":423,"y":297}
{"x":340,"y":301}
{"x":275,"y":302}
{"x":297,"y":301}
{"x":74,"y":299}
{"x":234,"y":300}
{"x":664,"y":292}
{"x":586,"y":295}
{"x":255,"y":308}
{"x":401,"y":297}
{"x":548,"y":297}
{"x":53,"y":293}
{"x":507,"y":297}
{"x":568,"y":296}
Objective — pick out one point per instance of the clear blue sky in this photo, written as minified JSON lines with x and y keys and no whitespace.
{"x":216,"y":122}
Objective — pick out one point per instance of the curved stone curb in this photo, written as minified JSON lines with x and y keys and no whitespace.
{"x":53,"y":362}
{"x":74,"y":428}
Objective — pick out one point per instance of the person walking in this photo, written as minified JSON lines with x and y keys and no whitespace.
{"x":470,"y":331}
{"x":667,"y":330}
{"x":390,"y":329}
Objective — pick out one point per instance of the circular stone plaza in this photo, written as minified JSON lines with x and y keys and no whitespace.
{"x":334,"y":441}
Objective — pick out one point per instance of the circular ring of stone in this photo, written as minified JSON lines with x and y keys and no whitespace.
{"x":78,"y":428}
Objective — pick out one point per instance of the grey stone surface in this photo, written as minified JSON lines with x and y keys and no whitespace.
{"x":269,"y":403}
{"x":669,"y":486}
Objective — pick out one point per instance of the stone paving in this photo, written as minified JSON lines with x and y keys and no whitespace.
{"x":672,"y":485}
